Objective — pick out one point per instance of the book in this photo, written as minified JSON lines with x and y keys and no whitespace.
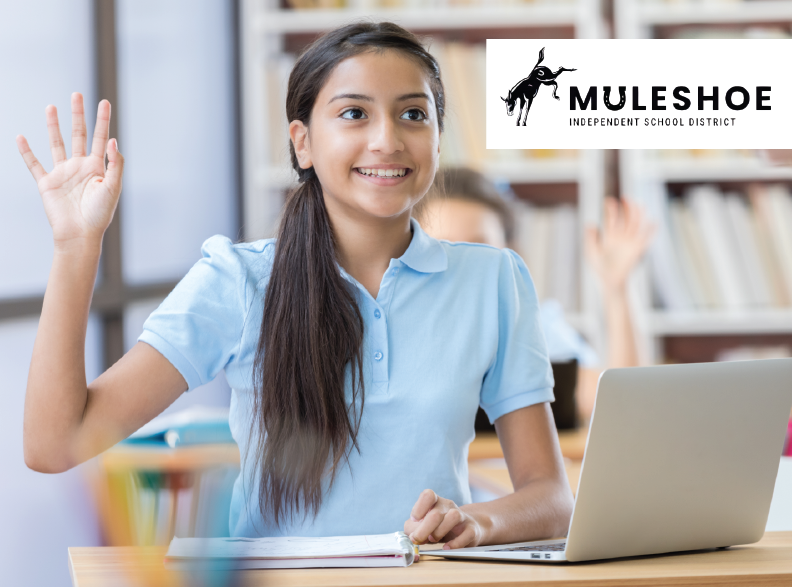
{"x":694,"y":244}
{"x":767,"y":252}
{"x":747,"y":250}
{"x":692,"y":279}
{"x":669,"y":285}
{"x":709,"y":210}
{"x":195,"y":425}
{"x":290,"y":552}
{"x":564,"y":267}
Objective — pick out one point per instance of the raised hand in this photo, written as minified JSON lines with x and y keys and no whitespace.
{"x":615,"y":250}
{"x":79,"y":194}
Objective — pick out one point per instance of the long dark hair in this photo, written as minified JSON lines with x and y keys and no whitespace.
{"x":312,"y":329}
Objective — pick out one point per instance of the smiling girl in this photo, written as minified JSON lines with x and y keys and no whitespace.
{"x":357,"y":347}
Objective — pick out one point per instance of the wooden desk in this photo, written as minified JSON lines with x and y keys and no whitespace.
{"x":492,"y":476}
{"x":766,"y":563}
{"x":487,"y":446}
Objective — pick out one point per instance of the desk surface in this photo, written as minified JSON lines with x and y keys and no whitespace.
{"x":487,"y":446}
{"x":768,"y":562}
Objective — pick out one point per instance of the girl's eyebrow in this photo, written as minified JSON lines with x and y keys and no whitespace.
{"x":365,"y":98}
{"x":423,"y":95}
{"x":352,"y":97}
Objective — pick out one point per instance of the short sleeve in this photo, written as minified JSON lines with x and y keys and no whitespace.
{"x":564,"y":343}
{"x":520,"y":374}
{"x":198,"y":327}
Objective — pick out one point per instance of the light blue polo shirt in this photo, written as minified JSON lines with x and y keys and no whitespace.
{"x":454,"y":326}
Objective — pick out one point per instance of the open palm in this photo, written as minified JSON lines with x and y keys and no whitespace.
{"x":79,"y":194}
{"x":615,"y":250}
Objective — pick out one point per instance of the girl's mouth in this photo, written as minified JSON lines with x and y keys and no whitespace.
{"x":377,"y":172}
{"x":382,"y":176}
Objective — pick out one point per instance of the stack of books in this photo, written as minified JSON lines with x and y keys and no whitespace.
{"x":722,"y":250}
{"x":548,"y":239}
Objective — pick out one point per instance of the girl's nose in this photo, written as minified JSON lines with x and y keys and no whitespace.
{"x":385,"y":137}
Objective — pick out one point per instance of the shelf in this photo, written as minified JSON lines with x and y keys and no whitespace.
{"x":716,"y":322}
{"x":720,"y":169}
{"x":738,"y":11}
{"x":456,"y":17}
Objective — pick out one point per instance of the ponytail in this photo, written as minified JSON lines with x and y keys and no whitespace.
{"x":312,"y":329}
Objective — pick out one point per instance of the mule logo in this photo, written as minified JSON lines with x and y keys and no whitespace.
{"x":526,"y":89}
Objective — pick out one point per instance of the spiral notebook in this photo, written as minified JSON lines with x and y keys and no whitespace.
{"x":287,"y":552}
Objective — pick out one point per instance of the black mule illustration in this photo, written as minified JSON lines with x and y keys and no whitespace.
{"x":526,"y":89}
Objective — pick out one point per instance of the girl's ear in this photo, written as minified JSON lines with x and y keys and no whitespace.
{"x":299,"y":138}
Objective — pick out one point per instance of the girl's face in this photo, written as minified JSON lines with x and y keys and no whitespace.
{"x":373,"y":140}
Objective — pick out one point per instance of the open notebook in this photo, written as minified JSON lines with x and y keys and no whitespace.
{"x":383,"y":550}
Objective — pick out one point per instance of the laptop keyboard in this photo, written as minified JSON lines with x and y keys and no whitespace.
{"x":541,"y":547}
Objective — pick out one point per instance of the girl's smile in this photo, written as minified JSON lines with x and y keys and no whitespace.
{"x":384,"y":174}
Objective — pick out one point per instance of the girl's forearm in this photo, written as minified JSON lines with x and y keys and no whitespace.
{"x":621,"y":337}
{"x":57,"y":390}
{"x":539,"y":510}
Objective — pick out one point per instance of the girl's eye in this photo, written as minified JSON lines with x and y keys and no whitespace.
{"x":353,"y":114}
{"x":414,"y":114}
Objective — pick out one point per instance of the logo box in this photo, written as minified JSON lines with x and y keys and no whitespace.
{"x":639,"y":94}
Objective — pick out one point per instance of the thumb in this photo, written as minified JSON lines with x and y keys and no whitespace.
{"x":115,"y":167}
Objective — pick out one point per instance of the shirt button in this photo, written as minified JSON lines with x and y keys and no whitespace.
{"x":395,"y":270}
{"x":378,"y":356}
{"x":377,"y":314}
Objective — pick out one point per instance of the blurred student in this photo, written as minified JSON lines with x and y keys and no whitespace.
{"x":464,"y":206}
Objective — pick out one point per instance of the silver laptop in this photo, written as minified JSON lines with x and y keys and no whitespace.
{"x":678,"y":457}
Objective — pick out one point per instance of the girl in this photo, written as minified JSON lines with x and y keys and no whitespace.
{"x":358,"y":348}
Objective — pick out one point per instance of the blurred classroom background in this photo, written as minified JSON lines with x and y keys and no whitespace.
{"x":197,"y":90}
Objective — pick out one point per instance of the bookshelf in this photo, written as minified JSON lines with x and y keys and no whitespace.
{"x":665,"y":330}
{"x":272,"y":32}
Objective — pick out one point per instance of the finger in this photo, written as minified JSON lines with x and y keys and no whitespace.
{"x":465,"y":539}
{"x":632,"y":216}
{"x":451,"y":520}
{"x":426,"y":501}
{"x":611,"y":215}
{"x":79,"y":134}
{"x":428,"y":525}
{"x":55,"y":138}
{"x":115,"y":167}
{"x":32,"y":163}
{"x":410,"y":526}
{"x":102,"y":130}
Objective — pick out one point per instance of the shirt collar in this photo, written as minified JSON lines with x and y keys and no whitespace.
{"x":425,"y":254}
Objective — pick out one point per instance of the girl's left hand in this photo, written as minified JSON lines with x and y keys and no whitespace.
{"x":615,"y":250}
{"x":436,"y":519}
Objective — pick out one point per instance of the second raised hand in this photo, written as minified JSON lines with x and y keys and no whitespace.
{"x":79,"y":194}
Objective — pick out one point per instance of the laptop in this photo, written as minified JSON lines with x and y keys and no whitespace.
{"x":678,"y":458}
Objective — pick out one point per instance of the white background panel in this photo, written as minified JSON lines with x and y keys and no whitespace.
{"x":641,"y":63}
